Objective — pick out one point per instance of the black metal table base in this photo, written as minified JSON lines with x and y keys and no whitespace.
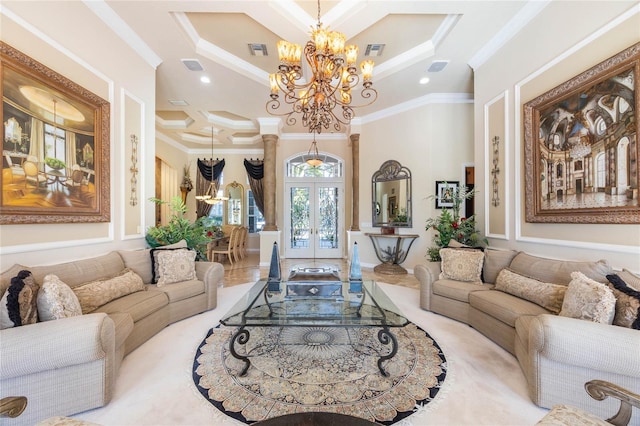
{"x":242,"y":335}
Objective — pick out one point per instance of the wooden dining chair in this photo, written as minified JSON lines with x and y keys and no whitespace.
{"x":229,"y":248}
{"x":238,"y":253}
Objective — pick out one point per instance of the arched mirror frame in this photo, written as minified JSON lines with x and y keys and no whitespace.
{"x":391,"y":195}
{"x":235,"y":207}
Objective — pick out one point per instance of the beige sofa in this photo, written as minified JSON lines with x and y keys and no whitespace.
{"x":557,"y":354}
{"x":69,"y":365}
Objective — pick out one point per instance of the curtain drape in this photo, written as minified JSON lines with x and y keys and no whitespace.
{"x":36,"y":146}
{"x":209,"y":172}
{"x":70,"y":149}
{"x":255,"y":171}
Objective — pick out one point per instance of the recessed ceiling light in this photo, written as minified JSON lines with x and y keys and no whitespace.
{"x":424,"y":80}
{"x":204,"y":79}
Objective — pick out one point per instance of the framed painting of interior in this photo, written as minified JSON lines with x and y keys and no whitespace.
{"x":581,"y":146}
{"x":55,"y":152}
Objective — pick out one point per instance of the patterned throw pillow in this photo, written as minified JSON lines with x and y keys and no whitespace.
{"x":462,"y":265}
{"x":547,"y":295}
{"x":94,"y":294}
{"x":175,"y":266}
{"x":56,"y":300}
{"x":18,"y":304}
{"x":588,"y":300}
{"x":627,"y":300}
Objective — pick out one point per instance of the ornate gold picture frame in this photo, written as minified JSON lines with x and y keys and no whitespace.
{"x":55,"y":153}
{"x":581,"y":146}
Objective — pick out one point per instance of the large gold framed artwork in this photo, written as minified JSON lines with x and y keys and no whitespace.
{"x":581,"y":146}
{"x":55,"y":148}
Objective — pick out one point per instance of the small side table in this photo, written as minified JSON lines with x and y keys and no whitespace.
{"x":391,"y":250}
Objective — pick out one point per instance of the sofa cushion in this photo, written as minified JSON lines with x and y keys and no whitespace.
{"x":94,"y":294}
{"x":139,"y":262}
{"x":627,"y":302}
{"x":504,"y":307}
{"x":139,"y":305}
{"x":79,"y":272}
{"x":56,"y":300}
{"x":457,"y":290}
{"x":182,"y":290}
{"x":547,"y":295}
{"x":494,"y":262}
{"x":558,"y":271}
{"x":174,"y":266}
{"x":18,"y":304}
{"x":589,"y":300}
{"x":462,"y":265}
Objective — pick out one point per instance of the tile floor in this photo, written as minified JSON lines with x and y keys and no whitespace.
{"x":248,"y":270}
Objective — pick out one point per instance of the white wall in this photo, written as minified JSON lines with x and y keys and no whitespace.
{"x":93,"y":57}
{"x":543,"y":55}
{"x":433,"y":142}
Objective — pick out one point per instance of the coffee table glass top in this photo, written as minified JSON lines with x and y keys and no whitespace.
{"x":314,"y":303}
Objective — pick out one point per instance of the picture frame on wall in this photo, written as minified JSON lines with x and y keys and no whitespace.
{"x":445,"y":193}
{"x":581,"y":146}
{"x":55,"y":152}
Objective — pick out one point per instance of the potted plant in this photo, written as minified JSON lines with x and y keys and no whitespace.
{"x":450,"y":226}
{"x":197,"y":234}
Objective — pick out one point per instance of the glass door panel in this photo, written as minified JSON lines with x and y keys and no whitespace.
{"x":315,"y":216}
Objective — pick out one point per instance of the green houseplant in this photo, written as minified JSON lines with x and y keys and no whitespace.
{"x":450,"y":226}
{"x":197,"y":234}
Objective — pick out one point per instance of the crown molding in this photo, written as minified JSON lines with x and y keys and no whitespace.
{"x":513,"y":27}
{"x":124,"y":31}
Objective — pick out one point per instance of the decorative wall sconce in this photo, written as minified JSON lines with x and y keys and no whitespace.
{"x":133,"y":200}
{"x":495,"y":171}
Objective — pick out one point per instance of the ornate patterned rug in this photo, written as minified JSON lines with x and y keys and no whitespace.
{"x":295,"y":369}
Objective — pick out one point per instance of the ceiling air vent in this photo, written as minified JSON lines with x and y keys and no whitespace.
{"x":192,"y":64}
{"x":178,"y":102}
{"x":374,"y":49}
{"x":258,"y":49}
{"x":437,"y":66}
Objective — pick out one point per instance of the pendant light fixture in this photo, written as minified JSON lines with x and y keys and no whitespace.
{"x":313,"y":157}
{"x":208,"y":195}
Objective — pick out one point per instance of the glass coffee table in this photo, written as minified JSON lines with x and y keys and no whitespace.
{"x":346,"y":304}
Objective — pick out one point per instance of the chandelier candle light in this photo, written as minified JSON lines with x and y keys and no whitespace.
{"x":333,"y":75}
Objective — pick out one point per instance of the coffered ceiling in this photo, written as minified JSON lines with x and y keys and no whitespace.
{"x":216,"y":35}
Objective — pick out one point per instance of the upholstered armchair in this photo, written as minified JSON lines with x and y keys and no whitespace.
{"x":600,"y":390}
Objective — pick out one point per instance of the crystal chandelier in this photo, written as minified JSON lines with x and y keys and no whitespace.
{"x":580,"y":150}
{"x":333,"y":76}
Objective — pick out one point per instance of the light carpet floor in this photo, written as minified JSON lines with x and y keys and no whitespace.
{"x":484,"y":384}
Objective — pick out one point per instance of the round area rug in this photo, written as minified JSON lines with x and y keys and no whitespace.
{"x":302,"y":369}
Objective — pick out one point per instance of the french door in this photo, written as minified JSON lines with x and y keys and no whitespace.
{"x":314,"y":220}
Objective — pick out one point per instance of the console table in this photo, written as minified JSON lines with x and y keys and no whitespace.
{"x":391,"y":250}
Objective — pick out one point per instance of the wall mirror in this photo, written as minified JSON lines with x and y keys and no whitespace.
{"x":235,"y":203}
{"x":391,"y":195}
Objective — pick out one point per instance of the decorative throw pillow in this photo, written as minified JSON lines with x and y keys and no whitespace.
{"x":56,"y":300}
{"x":627,"y":302}
{"x":94,"y":294}
{"x":18,"y":304}
{"x":462,"y":265}
{"x":140,"y":262}
{"x":547,"y":295}
{"x":588,"y":300}
{"x":175,"y":266}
